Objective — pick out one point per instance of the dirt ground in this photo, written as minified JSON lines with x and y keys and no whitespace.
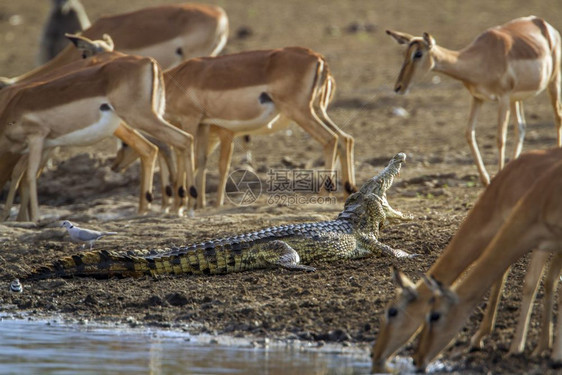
{"x":341,"y":301}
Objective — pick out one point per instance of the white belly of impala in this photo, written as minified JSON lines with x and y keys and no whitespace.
{"x":264,"y":121}
{"x":82,"y":124}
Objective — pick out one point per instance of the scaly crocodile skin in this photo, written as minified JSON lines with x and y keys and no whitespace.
{"x":353,"y":234}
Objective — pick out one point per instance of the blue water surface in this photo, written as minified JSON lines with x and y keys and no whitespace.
{"x":47,"y":347}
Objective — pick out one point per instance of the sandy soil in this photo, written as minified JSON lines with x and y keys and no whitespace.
{"x":340,"y":302}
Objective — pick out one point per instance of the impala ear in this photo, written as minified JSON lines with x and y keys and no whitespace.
{"x":401,"y":38}
{"x":429,"y":40}
{"x":440,"y":290}
{"x":109,"y":41}
{"x":80,"y":42}
{"x":404,"y":283}
{"x":91,"y":47}
{"x":5,"y":82}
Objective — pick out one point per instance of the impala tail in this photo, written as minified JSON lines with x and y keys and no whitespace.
{"x":158,"y":94}
{"x":324,"y":84}
{"x":221,"y":36}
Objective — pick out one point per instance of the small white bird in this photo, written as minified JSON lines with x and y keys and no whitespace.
{"x":16,"y":286}
{"x":84,"y":235}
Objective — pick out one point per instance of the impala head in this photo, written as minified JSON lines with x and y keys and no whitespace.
{"x":443,"y":321}
{"x":91,"y":47}
{"x":402,"y":318}
{"x":417,"y":61}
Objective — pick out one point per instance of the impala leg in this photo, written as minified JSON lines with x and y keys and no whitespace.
{"x":550,"y":285}
{"x":489,"y":318}
{"x":554,"y":93}
{"x":345,"y":152}
{"x":503,"y":121}
{"x":471,"y":139}
{"x":126,"y":156}
{"x":520,"y":129}
{"x":148,"y":153}
{"x":309,"y":121}
{"x":247,"y":148}
{"x":182,"y":143}
{"x":346,"y":142}
{"x":226,"y":139}
{"x":530,"y":286}
{"x":35,"y":145}
{"x":557,"y":348}
{"x":201,"y":147}
{"x":24,"y":211}
{"x":17,"y":173}
{"x":167,"y":171}
{"x":7,"y":162}
{"x":166,"y":189}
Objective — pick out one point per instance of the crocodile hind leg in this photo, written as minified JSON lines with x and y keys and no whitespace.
{"x":279,"y":253}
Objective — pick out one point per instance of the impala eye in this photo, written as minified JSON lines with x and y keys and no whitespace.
{"x":434,"y":316}
{"x":392,"y":312}
{"x":418,"y":55}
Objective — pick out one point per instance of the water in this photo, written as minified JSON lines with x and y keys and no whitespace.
{"x":42,"y":347}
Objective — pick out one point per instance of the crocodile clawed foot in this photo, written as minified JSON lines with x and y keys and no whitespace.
{"x":403,"y":254}
{"x":408,"y":217}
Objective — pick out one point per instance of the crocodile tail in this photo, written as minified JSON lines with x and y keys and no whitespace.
{"x":99,"y":264}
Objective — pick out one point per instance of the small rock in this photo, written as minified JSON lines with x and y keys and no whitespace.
{"x":354,"y":27}
{"x":154,"y":301}
{"x":15,"y":20}
{"x":177,"y":299}
{"x":90,"y":300}
{"x":244,"y":32}
{"x":333,"y":31}
{"x":339,"y":335}
{"x":400,"y":112}
{"x":132,"y":322}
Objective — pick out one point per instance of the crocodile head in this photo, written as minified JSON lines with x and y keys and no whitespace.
{"x":379,"y":184}
{"x":375,"y":188}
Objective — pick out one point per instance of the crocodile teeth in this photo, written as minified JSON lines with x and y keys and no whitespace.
{"x":16,"y":286}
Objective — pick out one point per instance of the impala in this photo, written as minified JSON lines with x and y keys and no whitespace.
{"x":535,"y":222}
{"x":224,"y":136}
{"x":87,"y":105}
{"x":168,"y":33}
{"x":404,"y":316}
{"x":255,"y":92}
{"x":505,"y":64}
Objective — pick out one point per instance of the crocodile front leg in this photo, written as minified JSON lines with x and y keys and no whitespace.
{"x":279,"y":253}
{"x":371,"y":243}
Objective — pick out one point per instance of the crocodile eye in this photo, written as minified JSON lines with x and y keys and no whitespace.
{"x":418,"y":55}
{"x":392,"y":312}
{"x":434,"y":316}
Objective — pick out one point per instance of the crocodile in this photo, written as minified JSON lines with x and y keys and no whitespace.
{"x":353,"y":234}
